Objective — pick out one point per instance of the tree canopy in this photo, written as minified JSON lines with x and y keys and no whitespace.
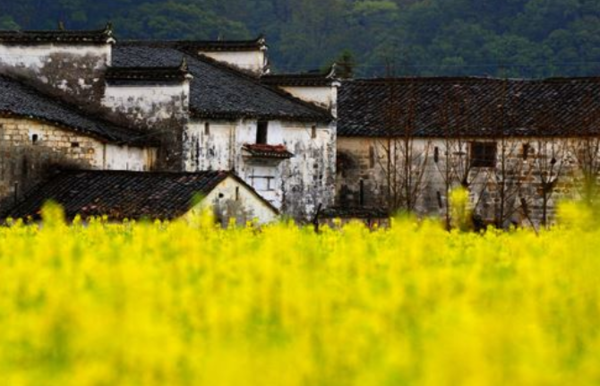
{"x":515,"y":38}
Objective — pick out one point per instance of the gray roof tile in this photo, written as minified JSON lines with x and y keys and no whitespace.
{"x":18,"y":99}
{"x":469,"y":107}
{"x":218,"y":91}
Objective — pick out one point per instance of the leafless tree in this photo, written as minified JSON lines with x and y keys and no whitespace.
{"x":548,"y":159}
{"x":508,"y":174}
{"x":403,"y":159}
{"x":455,"y":165}
{"x":586,"y":150}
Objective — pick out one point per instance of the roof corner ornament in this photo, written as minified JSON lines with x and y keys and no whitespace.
{"x":261,"y":41}
{"x":108,"y":32}
{"x":108,"y":29}
{"x":266,"y":69}
{"x":61,"y":26}
{"x":332,"y":74}
{"x":184,"y":65}
{"x":185,"y":68}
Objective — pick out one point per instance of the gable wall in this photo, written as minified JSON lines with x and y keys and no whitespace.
{"x":161,"y":109}
{"x":23,"y":163}
{"x":149,"y":104}
{"x":233,"y":201}
{"x":71,"y":69}
{"x":252,"y":61}
{"x":325,"y":97}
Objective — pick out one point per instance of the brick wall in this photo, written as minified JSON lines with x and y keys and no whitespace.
{"x":31,"y":151}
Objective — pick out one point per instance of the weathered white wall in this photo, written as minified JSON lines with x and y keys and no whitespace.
{"x":365,"y":159}
{"x":124,"y":157}
{"x":253,"y":61}
{"x":40,"y":56}
{"x":296,"y":185}
{"x":148,"y":104}
{"x":72,"y":69}
{"x":325,"y":97}
{"x":233,"y":200}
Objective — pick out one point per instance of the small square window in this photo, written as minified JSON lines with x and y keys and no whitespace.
{"x":483,"y":154}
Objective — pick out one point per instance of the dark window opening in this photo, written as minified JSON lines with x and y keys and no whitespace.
{"x":313,"y":133}
{"x":371,"y":157}
{"x":237,"y":193}
{"x":361,"y":199}
{"x":261,"y":132}
{"x":483,"y":154}
{"x":25,"y":166}
{"x":74,"y":144}
{"x":436,"y":154}
{"x":526,"y":148}
{"x":207,"y":128}
{"x":34,"y":138}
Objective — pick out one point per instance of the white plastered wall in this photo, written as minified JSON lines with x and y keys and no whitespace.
{"x":38,"y":56}
{"x":296,"y":185}
{"x":325,"y":97}
{"x":234,"y":200}
{"x":253,"y":61}
{"x":68,"y":68}
{"x":125,"y":157}
{"x":148,"y":103}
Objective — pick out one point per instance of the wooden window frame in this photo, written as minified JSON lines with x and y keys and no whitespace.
{"x":483,"y":154}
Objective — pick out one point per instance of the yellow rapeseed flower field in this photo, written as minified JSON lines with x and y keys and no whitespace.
{"x":187,"y":303}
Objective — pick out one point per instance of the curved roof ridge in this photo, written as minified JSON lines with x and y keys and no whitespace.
{"x":217,"y":45}
{"x":99,"y":36}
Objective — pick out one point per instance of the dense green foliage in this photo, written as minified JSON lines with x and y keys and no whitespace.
{"x":529,"y":38}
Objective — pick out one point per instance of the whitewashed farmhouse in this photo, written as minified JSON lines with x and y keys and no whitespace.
{"x":83,"y":99}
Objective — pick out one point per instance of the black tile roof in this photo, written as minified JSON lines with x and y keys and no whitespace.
{"x":127,"y":75}
{"x":120,"y":194}
{"x":20,"y":100}
{"x":301,"y":80}
{"x":469,"y":107}
{"x":228,"y":45}
{"x":102,"y":36}
{"x":218,"y":91}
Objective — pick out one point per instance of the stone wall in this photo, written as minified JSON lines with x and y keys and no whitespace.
{"x":31,"y":151}
{"x":512,"y":192}
{"x":297,"y":186}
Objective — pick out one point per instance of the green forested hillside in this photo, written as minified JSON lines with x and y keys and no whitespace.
{"x":518,"y":38}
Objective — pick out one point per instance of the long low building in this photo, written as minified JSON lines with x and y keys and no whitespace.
{"x":518,"y":146}
{"x":121,"y":195}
